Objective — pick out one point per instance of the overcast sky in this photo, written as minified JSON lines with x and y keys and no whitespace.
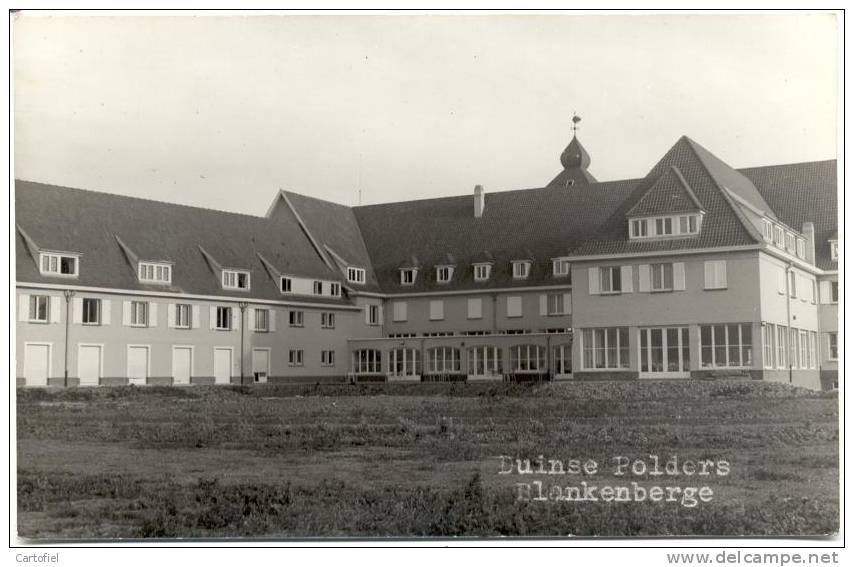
{"x":221,"y":111}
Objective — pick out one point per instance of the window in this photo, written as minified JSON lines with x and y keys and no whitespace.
{"x":407,"y":276}
{"x":724,"y":346}
{"x":437,"y":310}
{"x":58,"y":264}
{"x":233,"y":279}
{"x":373,"y":314}
{"x":318,"y":288}
{"x":715,"y":274}
{"x":138,"y":313}
{"x":560,"y":268}
{"x":793,"y":348}
{"x":801,"y":250}
{"x":834,"y":292}
{"x":367,"y":361}
{"x":334,"y":289}
{"x":262,"y":320}
{"x":779,"y":236}
{"x":610,"y":281}
{"x":223,"y":318}
{"x":356,"y":275}
{"x":155,"y":273}
{"x":832,"y":346}
{"x":514,"y":306}
{"x":91,"y":311}
{"x":803,"y":342}
{"x":767,"y":230}
{"x":834,"y":250}
{"x":812,"y":291}
{"x":793,"y":285}
{"x":405,"y":362}
{"x":664,"y":226}
{"x":661,"y":276}
{"x":555,"y":304}
{"x":327,"y":320}
{"x":444,"y":273}
{"x":481,"y":272}
{"x":790,"y":242}
{"x":484,"y":361}
{"x":638,"y":228}
{"x":295,"y":318}
{"x":39,"y":308}
{"x":527,"y":358}
{"x":398,"y":309}
{"x":286,"y":285}
{"x":295,"y":357}
{"x":474,"y":308}
{"x":781,"y":346}
{"x":813,"y":349}
{"x":768,"y":345}
{"x":605,"y":348}
{"x":688,"y":224}
{"x":183,"y":316}
{"x":443,"y":360}
{"x":521,"y":269}
{"x":327,"y":358}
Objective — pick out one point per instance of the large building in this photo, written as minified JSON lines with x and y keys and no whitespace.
{"x":694,"y":270}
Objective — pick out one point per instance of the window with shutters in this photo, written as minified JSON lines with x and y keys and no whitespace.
{"x":327,"y":320}
{"x":235,"y":279}
{"x":262,"y":320}
{"x":39,"y":308}
{"x":153,"y":272}
{"x":295,"y":318}
{"x":610,"y":279}
{"x":514,"y":306}
{"x":91,"y":311}
{"x":138,"y":313}
{"x":183,"y":316}
{"x":398,"y":309}
{"x":555,"y":304}
{"x":223,"y":319}
{"x":56,"y":264}
{"x":661,"y":277}
{"x":474,"y":308}
{"x":437,"y":310}
{"x":716,"y":276}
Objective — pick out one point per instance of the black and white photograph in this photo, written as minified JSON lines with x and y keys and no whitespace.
{"x":425,"y":276}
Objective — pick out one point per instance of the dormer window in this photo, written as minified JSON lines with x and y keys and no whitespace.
{"x":317,"y":288}
{"x":335,"y":289}
{"x":521,"y":269}
{"x":356,"y":275}
{"x":482,"y":272}
{"x":57,"y":264}
{"x":801,"y":250}
{"x":779,"y":237}
{"x":560,"y":268}
{"x":790,"y":242}
{"x":834,"y":250}
{"x":444,"y":273}
{"x":235,"y":279}
{"x":767,"y":230}
{"x":673,"y":225}
{"x":287,"y":285}
{"x":154,"y":272}
{"x":407,"y":276}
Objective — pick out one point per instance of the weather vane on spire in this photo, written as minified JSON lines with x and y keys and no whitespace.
{"x":575,"y":120}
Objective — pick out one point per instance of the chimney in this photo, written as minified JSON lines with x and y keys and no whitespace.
{"x":479,"y":201}
{"x":808,"y":230}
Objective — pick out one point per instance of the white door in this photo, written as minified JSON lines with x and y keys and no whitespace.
{"x":89,"y":365}
{"x":222,"y":366}
{"x":260,"y":364}
{"x":137,"y":364}
{"x":36,"y":364}
{"x":181,"y":363}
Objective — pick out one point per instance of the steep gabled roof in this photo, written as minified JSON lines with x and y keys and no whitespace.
{"x":799,"y":193}
{"x":671,"y":194}
{"x":89,"y":223}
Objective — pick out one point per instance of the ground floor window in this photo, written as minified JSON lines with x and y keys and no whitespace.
{"x":605,"y":348}
{"x":367,"y":361}
{"x":781,"y":346}
{"x":563,"y":359}
{"x":832,"y":346}
{"x":664,"y":349}
{"x":295,"y":357}
{"x":813,"y":349}
{"x":803,"y":342}
{"x":405,"y":362}
{"x":528,"y":358}
{"x":443,"y":360}
{"x":484,"y":361}
{"x":729,"y":345}
{"x":768,"y":345}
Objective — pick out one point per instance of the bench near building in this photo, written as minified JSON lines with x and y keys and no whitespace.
{"x":694,"y":270}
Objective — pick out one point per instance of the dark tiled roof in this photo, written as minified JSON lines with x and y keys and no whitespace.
{"x":88,"y":222}
{"x":671,"y":194}
{"x":516,"y":225}
{"x":799,"y":193}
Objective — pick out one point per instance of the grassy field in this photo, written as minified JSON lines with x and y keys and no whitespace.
{"x":418,"y":460}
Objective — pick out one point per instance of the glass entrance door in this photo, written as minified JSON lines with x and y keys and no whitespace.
{"x":664,"y":352}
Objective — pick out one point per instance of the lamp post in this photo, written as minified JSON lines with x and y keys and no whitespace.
{"x":68,"y":295}
{"x":243,"y":305}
